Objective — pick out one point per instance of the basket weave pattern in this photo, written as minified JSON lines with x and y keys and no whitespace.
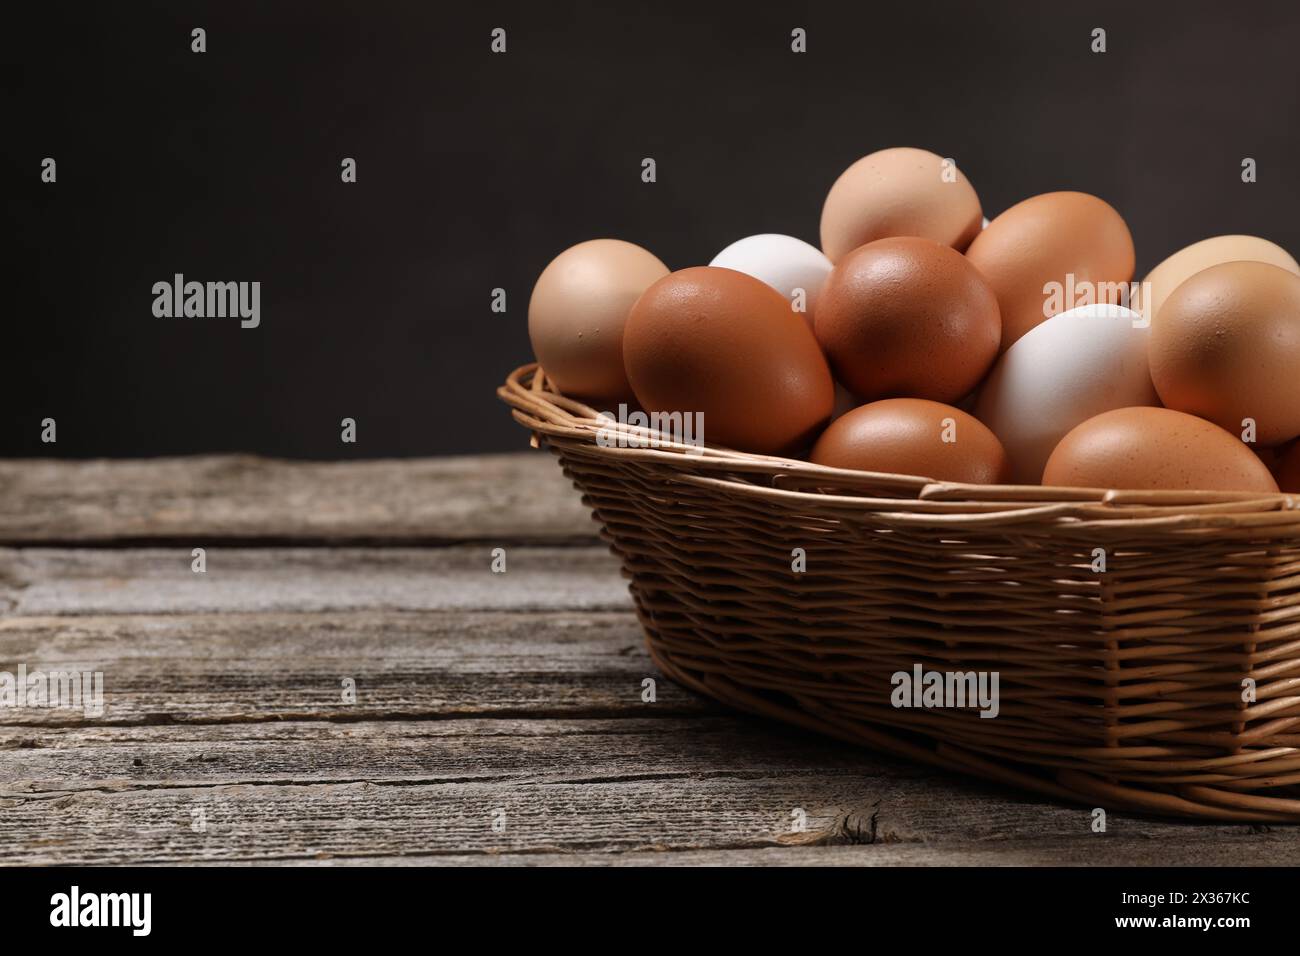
{"x":1122,"y":688}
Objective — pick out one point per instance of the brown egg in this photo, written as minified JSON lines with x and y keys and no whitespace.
{"x":1186,"y":262}
{"x":724,"y":344}
{"x":1149,"y":449}
{"x":899,"y":192}
{"x":1287,"y":471}
{"x":577,"y":311}
{"x":1227,"y":347}
{"x":1051,"y":253}
{"x":910,"y":436}
{"x":908,"y":317}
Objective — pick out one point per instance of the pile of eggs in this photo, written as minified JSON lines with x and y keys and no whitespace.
{"x":922,"y":339}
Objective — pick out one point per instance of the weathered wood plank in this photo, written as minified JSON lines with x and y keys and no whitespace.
{"x":505,"y":750}
{"x":370,"y":819}
{"x":254,"y":667}
{"x":41,"y":581}
{"x":571,"y":781}
{"x":569,"y":785}
{"x":506,"y":498}
{"x":277,"y":822}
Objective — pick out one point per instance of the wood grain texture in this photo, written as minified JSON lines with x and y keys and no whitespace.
{"x":516,"y":497}
{"x":374,"y":819}
{"x":475,"y":692}
{"x":41,"y":581}
{"x":520,"y":750}
{"x":217,"y":668}
{"x":676,"y":790}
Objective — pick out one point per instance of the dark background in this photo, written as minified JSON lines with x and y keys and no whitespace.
{"x":475,"y":169}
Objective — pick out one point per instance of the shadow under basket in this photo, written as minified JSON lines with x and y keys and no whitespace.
{"x":1146,"y":644}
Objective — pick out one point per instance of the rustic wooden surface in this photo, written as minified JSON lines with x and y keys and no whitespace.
{"x":514,"y":697}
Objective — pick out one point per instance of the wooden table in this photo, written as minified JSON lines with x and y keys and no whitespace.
{"x":498,"y":717}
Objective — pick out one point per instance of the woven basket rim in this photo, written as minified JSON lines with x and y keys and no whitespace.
{"x":538,"y":406}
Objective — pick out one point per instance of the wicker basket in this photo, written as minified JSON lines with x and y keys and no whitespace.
{"x":1121,"y":688}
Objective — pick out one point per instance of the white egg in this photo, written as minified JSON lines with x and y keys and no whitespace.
{"x":785,"y":263}
{"x":1063,"y":371}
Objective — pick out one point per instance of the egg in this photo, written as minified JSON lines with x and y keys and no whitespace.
{"x":785,"y":263}
{"x":1075,"y":365}
{"x":723,"y":344}
{"x":899,"y":192}
{"x":577,"y":313}
{"x":1051,"y":253}
{"x":1226,"y":347}
{"x":1149,"y":449}
{"x":911,"y":436}
{"x":908,"y":317}
{"x":1185,"y":263}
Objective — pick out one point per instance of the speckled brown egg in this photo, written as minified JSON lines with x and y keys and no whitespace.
{"x":1226,"y":346}
{"x":908,"y":317}
{"x":577,"y":312}
{"x":911,"y":436}
{"x":724,"y":344}
{"x":1151,"y":449}
{"x":899,"y":192}
{"x":1072,"y":240}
